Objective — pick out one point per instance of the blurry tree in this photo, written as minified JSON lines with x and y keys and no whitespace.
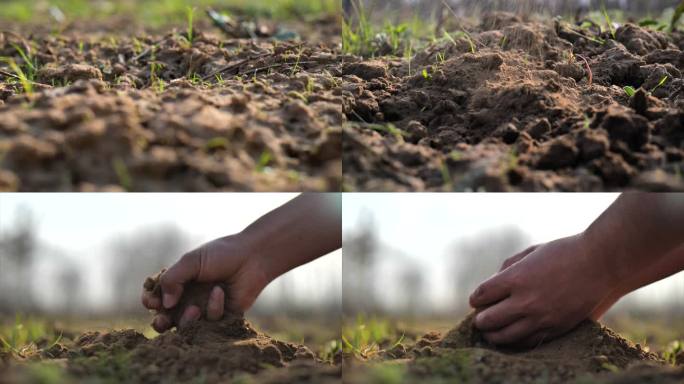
{"x":412,"y":284}
{"x":134,"y":257}
{"x":477,"y":258}
{"x":17,"y":253}
{"x":359,"y":249}
{"x":70,"y":283}
{"x":427,"y":8}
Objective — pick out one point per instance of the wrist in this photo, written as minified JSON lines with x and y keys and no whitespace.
{"x":604,"y":256}
{"x":256,"y":255}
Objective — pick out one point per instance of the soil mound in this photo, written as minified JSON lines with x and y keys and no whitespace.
{"x":589,"y":342}
{"x":528,"y":106}
{"x":590,"y":351}
{"x":214,"y":351}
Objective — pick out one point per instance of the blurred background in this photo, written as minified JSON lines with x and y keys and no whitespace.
{"x":127,"y":17}
{"x":84,"y":257}
{"x":416,"y":258}
{"x":555,"y":7}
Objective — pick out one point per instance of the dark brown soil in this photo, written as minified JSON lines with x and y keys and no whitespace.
{"x":215,"y":351}
{"x":233,"y":114}
{"x":522,"y":113}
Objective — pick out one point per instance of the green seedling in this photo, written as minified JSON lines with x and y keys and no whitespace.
{"x":389,"y":128}
{"x":670,"y":354}
{"x":426,"y":75}
{"x":24,"y":80}
{"x":679,"y":11}
{"x":660,"y":84}
{"x":331,"y":349}
{"x":441,"y":58}
{"x":122,"y":173}
{"x":264,"y":161}
{"x":217,"y":143}
{"x":464,"y":35}
{"x":409,"y":56}
{"x":23,"y":333}
{"x":629,"y":90}
{"x":364,"y":337}
{"x":357,"y":38}
{"x":609,"y":21}
{"x":219,"y":79}
{"x":395,"y":34}
{"x":191,"y":18}
{"x":299,"y":59}
{"x":137,"y":46}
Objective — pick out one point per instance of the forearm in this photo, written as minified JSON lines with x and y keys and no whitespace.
{"x":303,"y":229}
{"x":636,"y":233}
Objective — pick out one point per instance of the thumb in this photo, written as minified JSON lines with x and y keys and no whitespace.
{"x":186,"y":269}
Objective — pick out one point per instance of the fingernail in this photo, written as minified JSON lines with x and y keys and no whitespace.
{"x":168,"y":301}
{"x":215,"y":293}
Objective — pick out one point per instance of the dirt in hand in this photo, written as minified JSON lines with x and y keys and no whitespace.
{"x":532,"y":106}
{"x":196,"y":294}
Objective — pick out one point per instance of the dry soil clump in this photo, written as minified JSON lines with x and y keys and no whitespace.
{"x":538,"y":106}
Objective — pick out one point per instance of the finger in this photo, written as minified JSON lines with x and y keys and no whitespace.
{"x":536,"y":339}
{"x":192,"y":313}
{"x":498,"y":316}
{"x":215,"y":305}
{"x":495,"y":289}
{"x":150,"y":301}
{"x":171,"y":281}
{"x":161,"y":323}
{"x":513,"y":333}
{"x":515,"y":258}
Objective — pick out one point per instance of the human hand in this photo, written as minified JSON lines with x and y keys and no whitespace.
{"x":229,"y":260}
{"x":542,"y":293}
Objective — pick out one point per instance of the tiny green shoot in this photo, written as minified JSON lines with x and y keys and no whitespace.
{"x":629,"y":90}
{"x":660,"y":84}
{"x":609,"y":21}
{"x":191,"y":19}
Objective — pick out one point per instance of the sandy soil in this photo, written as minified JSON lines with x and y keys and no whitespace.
{"x":157,"y":113}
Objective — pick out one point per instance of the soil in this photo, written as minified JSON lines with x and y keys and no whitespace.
{"x":201,"y":351}
{"x":591,"y":353}
{"x":524,"y":112}
{"x":233,"y":113}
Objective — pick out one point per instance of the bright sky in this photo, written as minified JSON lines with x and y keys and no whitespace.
{"x":80,"y":225}
{"x":425,"y":226}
